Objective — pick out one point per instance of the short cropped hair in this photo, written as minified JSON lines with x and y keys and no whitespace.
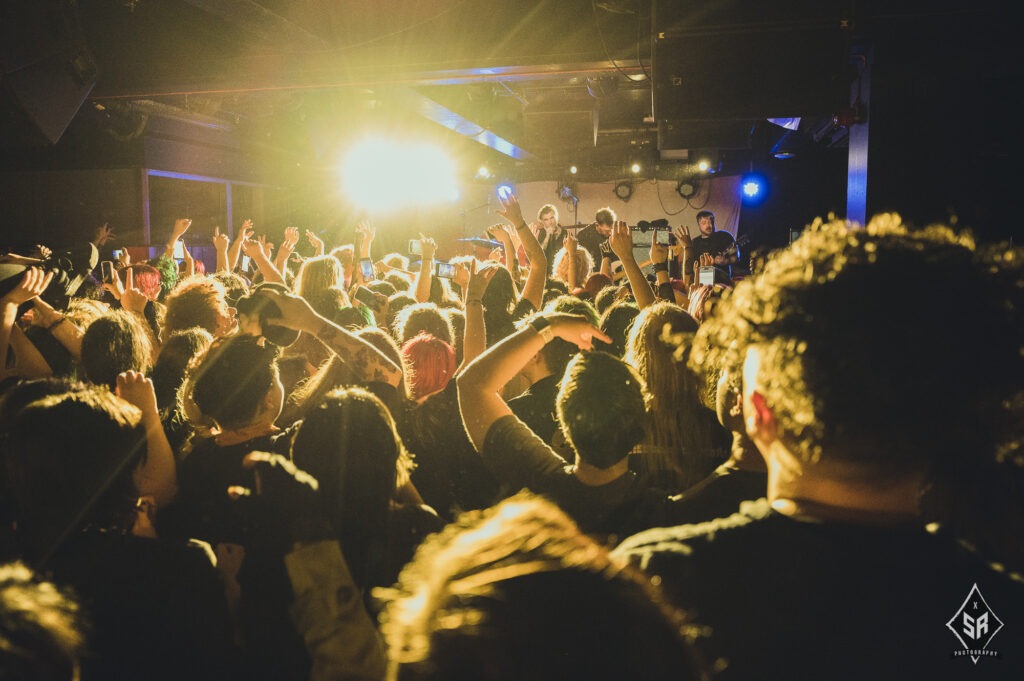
{"x":605,"y":216}
{"x":858,"y":354}
{"x":231,"y":380}
{"x":545,"y":209}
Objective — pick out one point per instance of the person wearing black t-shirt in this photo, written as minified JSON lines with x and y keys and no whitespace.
{"x":720,"y":246}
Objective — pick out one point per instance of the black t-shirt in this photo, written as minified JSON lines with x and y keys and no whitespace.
{"x":520,"y":460}
{"x":717,"y":495}
{"x":794,"y":599}
{"x":536,"y":407}
{"x":591,"y":239}
{"x":716,"y":243}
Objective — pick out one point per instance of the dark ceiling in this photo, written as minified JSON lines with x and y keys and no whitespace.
{"x":529,"y":86}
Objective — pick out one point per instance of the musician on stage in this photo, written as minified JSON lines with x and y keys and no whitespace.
{"x":720,"y":246}
{"x":592,"y":236}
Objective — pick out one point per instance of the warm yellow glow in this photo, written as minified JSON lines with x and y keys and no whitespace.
{"x":573,"y":169}
{"x":703,"y":165}
{"x":385,"y":175}
{"x":635,"y":168}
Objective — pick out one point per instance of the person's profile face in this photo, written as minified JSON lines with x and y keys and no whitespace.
{"x":706,"y":226}
{"x":604,"y":230}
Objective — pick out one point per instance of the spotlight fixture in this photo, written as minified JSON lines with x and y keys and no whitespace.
{"x":686,"y":188}
{"x":703,"y":165}
{"x":635,"y":168}
{"x":573,"y":170}
{"x":624,"y":190}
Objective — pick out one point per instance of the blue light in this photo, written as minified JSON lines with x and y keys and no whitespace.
{"x":753,"y":189}
{"x":505,"y":191}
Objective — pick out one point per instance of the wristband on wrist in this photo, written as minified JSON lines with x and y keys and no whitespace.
{"x":542,"y":326}
{"x":661,"y":267}
{"x":57,"y":323}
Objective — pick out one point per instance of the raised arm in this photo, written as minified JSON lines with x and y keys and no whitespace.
{"x":481,"y":382}
{"x":220,"y":244}
{"x":621,"y":242}
{"x":368,"y":363}
{"x":60,"y":327}
{"x":366,"y":232}
{"x":474,"y":340}
{"x":156,"y":476}
{"x":533,"y":290}
{"x":33,"y":282}
{"x":236,"y":246}
{"x":291,"y":237}
{"x":421,"y":286}
{"x":258,"y":252}
{"x":181,"y":226}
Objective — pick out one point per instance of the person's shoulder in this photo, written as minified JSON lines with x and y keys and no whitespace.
{"x":682,"y":540}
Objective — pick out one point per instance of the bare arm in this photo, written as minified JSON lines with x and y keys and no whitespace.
{"x":236,"y":246}
{"x":181,"y":226}
{"x":220,"y":244}
{"x":421,"y":286}
{"x":157,"y":476}
{"x":368,"y":363}
{"x":256,"y":251}
{"x":533,"y":290}
{"x":291,"y":237}
{"x":63,"y":329}
{"x":481,"y":382}
{"x":474,"y":341}
{"x":621,"y":242}
{"x":33,"y":282}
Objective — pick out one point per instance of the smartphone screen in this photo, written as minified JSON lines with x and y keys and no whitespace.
{"x":415,"y":247}
{"x":179,"y":250}
{"x":244,"y":264}
{"x":444,"y":269}
{"x":706,"y":276}
{"x":107,"y":271}
{"x":116,"y":253}
{"x":366,"y":269}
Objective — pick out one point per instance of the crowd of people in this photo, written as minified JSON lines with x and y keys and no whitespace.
{"x":544,"y":463}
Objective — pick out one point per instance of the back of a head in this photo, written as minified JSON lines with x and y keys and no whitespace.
{"x":646,"y":348}
{"x":858,"y":356}
{"x":147,"y":279}
{"x":601,"y":408}
{"x":40,"y":630}
{"x":316,"y":274}
{"x":419,"y":318}
{"x":605,"y":216}
{"x":616,"y":322}
{"x":115,"y":342}
{"x":57,"y":471}
{"x":232,"y":379}
{"x":517,"y":592}
{"x":350,"y":445}
{"x":430,"y":365}
{"x":195,"y":302}
{"x":176,"y":353}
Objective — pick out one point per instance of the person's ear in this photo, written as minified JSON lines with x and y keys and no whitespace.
{"x":760,"y":420}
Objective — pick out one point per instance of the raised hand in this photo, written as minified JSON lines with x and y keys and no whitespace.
{"x":478,"y":280}
{"x":133,"y":387}
{"x":102,"y":234}
{"x":510,"y":210}
{"x":683,"y":236}
{"x":576,"y":329}
{"x":220,"y":241}
{"x":428,"y":247}
{"x":296,"y":313}
{"x":315,"y":241}
{"x":569,"y":243}
{"x":621,"y":240}
{"x":659,"y":252}
{"x":181,"y":226}
{"x":500,"y":232}
{"x":291,"y":237}
{"x":132,"y":299}
{"x":125,"y":258}
{"x":366,"y":230}
{"x":706,"y":260}
{"x":32,"y":283}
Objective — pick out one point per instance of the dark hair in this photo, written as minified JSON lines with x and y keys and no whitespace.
{"x":605,"y":298}
{"x":616,"y":323}
{"x":852,"y":327}
{"x":419,"y":318}
{"x":706,"y":214}
{"x":40,"y":631}
{"x":231,"y":381}
{"x":176,"y":354}
{"x":572,"y":305}
{"x":385,"y":288}
{"x":235,"y":286}
{"x":605,"y":216}
{"x":350,"y":445}
{"x":56,"y":471}
{"x":115,"y":342}
{"x":601,"y":408}
{"x":517,"y":592}
{"x":194,"y":302}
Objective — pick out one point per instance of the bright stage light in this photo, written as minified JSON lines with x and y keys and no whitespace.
{"x":383,"y":175}
{"x":703,"y":165}
{"x":753,"y":188}
{"x":635,"y":168}
{"x":573,"y":170}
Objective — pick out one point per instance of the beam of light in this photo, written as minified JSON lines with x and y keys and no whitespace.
{"x":384,"y":175}
{"x":753,"y":188}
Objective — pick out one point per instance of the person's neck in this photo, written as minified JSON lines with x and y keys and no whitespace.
{"x":592,"y":476}
{"x":831,"y":491}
